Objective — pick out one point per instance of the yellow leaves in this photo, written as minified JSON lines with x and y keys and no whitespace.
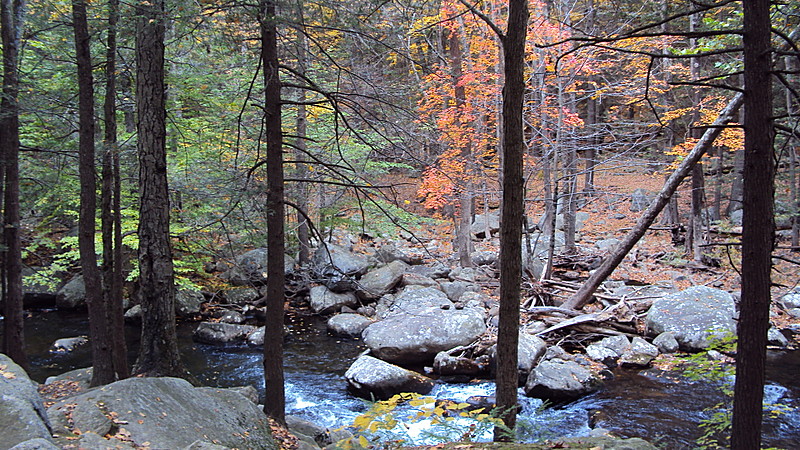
{"x":7,"y":375}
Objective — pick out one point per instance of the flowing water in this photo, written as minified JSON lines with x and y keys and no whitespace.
{"x":664,"y":409}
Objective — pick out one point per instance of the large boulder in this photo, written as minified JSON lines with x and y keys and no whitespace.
{"x":339,"y":265}
{"x":695,"y":316}
{"x":324,"y":301}
{"x":242,"y":295}
{"x":455,"y":289}
{"x":416,"y":298}
{"x":415,"y":337}
{"x":389,"y":252}
{"x":530,"y":350}
{"x":380,"y":281}
{"x":187,"y":302}
{"x":250,"y":268}
{"x":558,"y":380}
{"x":218,"y":333}
{"x":164,"y":413}
{"x":72,"y":295}
{"x":370,"y":377}
{"x":350,"y":325}
{"x":22,"y":413}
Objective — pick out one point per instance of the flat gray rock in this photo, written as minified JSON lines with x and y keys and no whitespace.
{"x":416,"y":337}
{"x":167,"y":413}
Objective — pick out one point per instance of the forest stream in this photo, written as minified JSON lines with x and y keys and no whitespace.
{"x":662,"y":408}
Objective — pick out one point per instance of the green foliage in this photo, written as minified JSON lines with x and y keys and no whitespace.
{"x":385,"y":424}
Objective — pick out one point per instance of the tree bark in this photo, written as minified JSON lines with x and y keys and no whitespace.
{"x":511,"y":218}
{"x":758,"y":228}
{"x":463,"y":241}
{"x":99,"y":338}
{"x":158,"y":354}
{"x":110,"y":206}
{"x":11,"y":13}
{"x":588,"y":288}
{"x":275,"y":402}
{"x":303,"y":237}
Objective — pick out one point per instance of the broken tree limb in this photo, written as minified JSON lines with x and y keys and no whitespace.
{"x":584,"y":294}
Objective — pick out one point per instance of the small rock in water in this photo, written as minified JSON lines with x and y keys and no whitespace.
{"x":69,"y":344}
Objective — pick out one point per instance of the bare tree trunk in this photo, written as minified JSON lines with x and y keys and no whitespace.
{"x":465,"y":245}
{"x":791,"y":112}
{"x":111,"y":203}
{"x":513,"y":211}
{"x":103,"y":367}
{"x":695,"y":244}
{"x":696,"y":237}
{"x":11,"y":13}
{"x":463,"y":240}
{"x":570,"y":175}
{"x":275,"y":401}
{"x":588,"y":288}
{"x":717,"y":208}
{"x":158,"y":354}
{"x":303,"y":237}
{"x":758,"y":229}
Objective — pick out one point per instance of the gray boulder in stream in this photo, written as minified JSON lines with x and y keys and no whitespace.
{"x":164,"y":413}
{"x":324,"y":301}
{"x":559,"y":381}
{"x":351,"y":325}
{"x":339,"y":266}
{"x":695,"y":316}
{"x":22,"y":413}
{"x":218,"y":333}
{"x":416,"y":336}
{"x":370,"y":377}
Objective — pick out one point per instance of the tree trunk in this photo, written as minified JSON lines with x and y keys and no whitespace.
{"x":102,"y":365}
{"x":465,"y":245}
{"x":758,"y":228}
{"x":512,"y":213}
{"x":303,"y":237}
{"x":737,"y":188}
{"x":720,"y":180}
{"x":158,"y":355}
{"x":13,"y":335}
{"x":695,"y":245}
{"x":463,"y":240}
{"x":275,"y":402}
{"x":696,"y":236}
{"x":110,"y":206}
{"x":588,"y":288}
